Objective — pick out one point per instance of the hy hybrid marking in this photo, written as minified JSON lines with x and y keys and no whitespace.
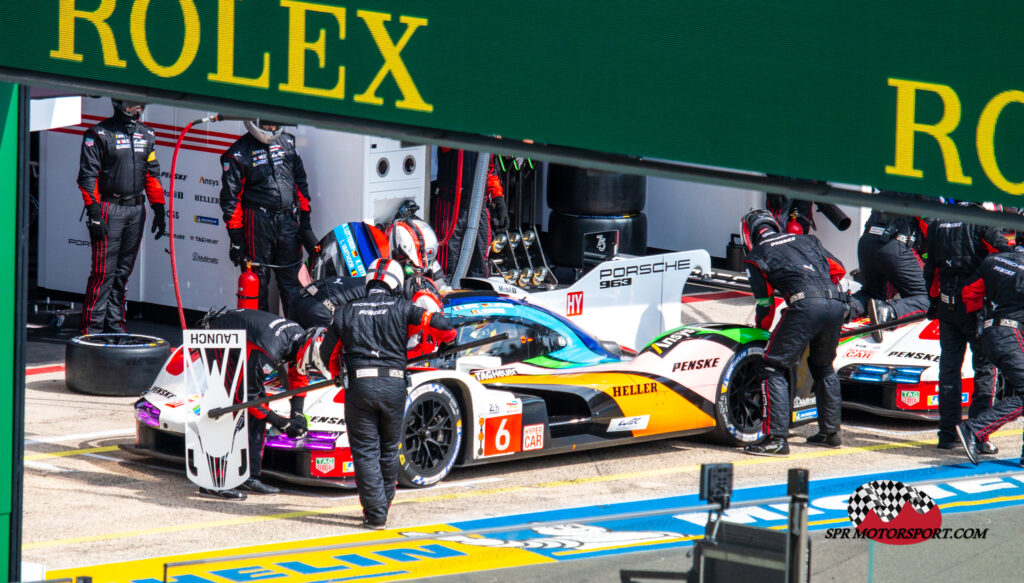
{"x":216,"y":450}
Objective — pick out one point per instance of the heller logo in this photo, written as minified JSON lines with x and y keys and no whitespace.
{"x":205,"y":220}
{"x":891,"y":512}
{"x":574,"y":303}
{"x":204,"y":198}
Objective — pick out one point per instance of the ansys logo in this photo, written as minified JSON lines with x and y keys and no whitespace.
{"x":894,"y":513}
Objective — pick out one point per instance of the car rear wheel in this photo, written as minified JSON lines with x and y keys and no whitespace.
{"x":431,"y":436}
{"x":740,"y":408}
{"x":114,"y":364}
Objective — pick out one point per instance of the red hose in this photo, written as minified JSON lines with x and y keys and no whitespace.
{"x":170,"y":221}
{"x":458,"y":197}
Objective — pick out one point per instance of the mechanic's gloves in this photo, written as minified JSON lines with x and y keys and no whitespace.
{"x":290,"y":427}
{"x":499,"y":214}
{"x":159,"y":221}
{"x":306,"y":234}
{"x":236,"y":252}
{"x":299,"y":423}
{"x":95,"y":223}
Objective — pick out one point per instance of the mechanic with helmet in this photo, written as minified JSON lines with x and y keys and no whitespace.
{"x":887,"y":253}
{"x":954,"y":252}
{"x":996,"y":290}
{"x":805,"y":274}
{"x":373,"y":333}
{"x":414,"y":245}
{"x":265,"y":200}
{"x":449,"y":210}
{"x":118,"y":166}
{"x":317,"y":303}
{"x":272,"y":342}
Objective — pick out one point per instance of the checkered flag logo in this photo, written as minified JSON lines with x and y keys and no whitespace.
{"x":886,"y":498}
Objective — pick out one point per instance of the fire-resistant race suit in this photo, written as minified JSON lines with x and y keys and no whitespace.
{"x":271,"y":343}
{"x":805,"y":274}
{"x":118,"y":165}
{"x":890,"y":265}
{"x":998,"y":286}
{"x":317,"y":303}
{"x":449,"y":210}
{"x":373,"y":333}
{"x":955,"y":250}
{"x":264,"y":197}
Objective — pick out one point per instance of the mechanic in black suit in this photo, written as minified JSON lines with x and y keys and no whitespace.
{"x":955,"y":250}
{"x":806,"y":274}
{"x":997,"y":291}
{"x":374,"y":332}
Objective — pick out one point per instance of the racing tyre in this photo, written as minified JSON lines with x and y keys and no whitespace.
{"x":739,"y":410}
{"x":565,"y":235}
{"x":431,"y":436}
{"x":594,"y":192}
{"x":115,"y":364}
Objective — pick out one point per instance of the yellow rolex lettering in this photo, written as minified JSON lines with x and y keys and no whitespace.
{"x":225,"y":72}
{"x":986,"y":140}
{"x":189,"y":47}
{"x":393,"y":64}
{"x":298,"y":46}
{"x":66,"y":16}
{"x":907,"y":126}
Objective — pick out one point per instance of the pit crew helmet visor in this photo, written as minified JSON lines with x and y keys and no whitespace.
{"x":755,"y":225}
{"x":265,"y":131}
{"x":386,"y":272}
{"x":413,"y":242}
{"x":128,"y":108}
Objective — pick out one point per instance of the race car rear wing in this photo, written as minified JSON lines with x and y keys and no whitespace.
{"x":628,"y":300}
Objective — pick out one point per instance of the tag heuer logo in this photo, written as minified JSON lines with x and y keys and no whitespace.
{"x":910,"y":398}
{"x":324,"y":464}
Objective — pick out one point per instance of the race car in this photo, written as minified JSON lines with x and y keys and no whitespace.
{"x":546,"y":387}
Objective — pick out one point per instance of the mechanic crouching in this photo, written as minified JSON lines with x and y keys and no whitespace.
{"x":998,"y":288}
{"x":890,"y":265}
{"x":271,"y":342}
{"x":374,"y":332}
{"x":806,"y":274}
{"x":955,"y":250}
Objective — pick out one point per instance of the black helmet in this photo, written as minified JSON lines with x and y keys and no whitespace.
{"x":127,"y":109}
{"x":755,"y":225}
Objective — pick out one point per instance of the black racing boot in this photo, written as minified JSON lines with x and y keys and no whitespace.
{"x":825,"y":439}
{"x":969,"y":442}
{"x":257,"y":487}
{"x":879,"y":312}
{"x":772,"y":446}
{"x":222,"y":494}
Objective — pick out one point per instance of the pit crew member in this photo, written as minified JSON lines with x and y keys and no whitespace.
{"x":449,"y":209}
{"x":317,"y":303}
{"x":265,"y":200}
{"x":805,"y":274}
{"x":374,"y":332}
{"x":954,"y":251}
{"x":272,"y":342}
{"x":118,"y":166}
{"x":997,"y":288}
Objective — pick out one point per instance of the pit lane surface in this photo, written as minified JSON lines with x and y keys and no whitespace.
{"x":87,"y":503}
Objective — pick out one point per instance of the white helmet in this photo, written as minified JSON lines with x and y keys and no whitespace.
{"x":310,"y":357}
{"x":263,"y":130}
{"x":413,"y":241}
{"x":386,"y":271}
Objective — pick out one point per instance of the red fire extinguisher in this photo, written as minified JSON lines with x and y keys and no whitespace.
{"x":248,"y":289}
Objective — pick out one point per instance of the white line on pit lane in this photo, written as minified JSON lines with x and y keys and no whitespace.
{"x":80,"y":436}
{"x":34,"y":465}
{"x":887,"y":431}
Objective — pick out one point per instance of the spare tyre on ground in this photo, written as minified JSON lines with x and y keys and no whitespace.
{"x":114,"y":364}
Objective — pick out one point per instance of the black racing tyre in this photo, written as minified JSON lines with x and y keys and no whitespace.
{"x":431,"y":436}
{"x":594,"y":192}
{"x":115,"y":364}
{"x":739,"y":410}
{"x":564,"y":245}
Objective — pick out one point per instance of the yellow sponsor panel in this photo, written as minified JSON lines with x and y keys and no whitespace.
{"x":399,"y":557}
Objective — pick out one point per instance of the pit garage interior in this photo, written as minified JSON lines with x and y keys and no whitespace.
{"x":709,"y":110}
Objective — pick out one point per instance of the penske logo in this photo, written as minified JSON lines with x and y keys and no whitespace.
{"x":695,"y":364}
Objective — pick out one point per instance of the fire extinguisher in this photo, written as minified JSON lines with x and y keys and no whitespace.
{"x":248,"y":289}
